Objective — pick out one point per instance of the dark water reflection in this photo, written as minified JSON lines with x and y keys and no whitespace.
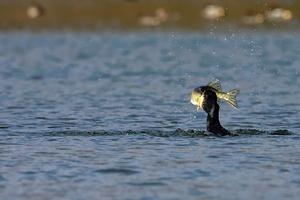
{"x":85,"y":115}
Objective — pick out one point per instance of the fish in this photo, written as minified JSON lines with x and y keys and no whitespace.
{"x":215,"y":85}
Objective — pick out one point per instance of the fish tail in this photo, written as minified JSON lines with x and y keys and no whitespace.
{"x":231,"y":97}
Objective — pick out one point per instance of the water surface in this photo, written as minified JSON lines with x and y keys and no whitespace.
{"x":85,"y":115}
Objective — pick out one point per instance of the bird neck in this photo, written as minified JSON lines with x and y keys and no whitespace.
{"x":212,"y":120}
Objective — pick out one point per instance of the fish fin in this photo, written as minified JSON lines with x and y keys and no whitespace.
{"x":216,"y":85}
{"x":231,"y":97}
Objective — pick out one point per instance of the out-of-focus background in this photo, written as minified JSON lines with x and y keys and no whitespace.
{"x":135,"y":14}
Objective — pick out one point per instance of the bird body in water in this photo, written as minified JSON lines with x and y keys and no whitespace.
{"x":207,"y":97}
{"x":211,"y":107}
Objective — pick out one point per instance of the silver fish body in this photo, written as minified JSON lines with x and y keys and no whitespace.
{"x":230,"y":97}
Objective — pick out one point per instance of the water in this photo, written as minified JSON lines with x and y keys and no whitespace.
{"x":89,"y":115}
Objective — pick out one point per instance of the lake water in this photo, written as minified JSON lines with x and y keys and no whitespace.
{"x":107,"y":115}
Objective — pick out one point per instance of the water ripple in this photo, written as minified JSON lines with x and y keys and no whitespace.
{"x":160,"y":133}
{"x":110,"y":114}
{"x":117,"y":171}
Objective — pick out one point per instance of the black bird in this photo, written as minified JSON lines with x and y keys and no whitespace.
{"x":211,"y":107}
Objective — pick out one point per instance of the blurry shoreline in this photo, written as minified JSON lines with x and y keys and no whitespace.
{"x":141,"y":14}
